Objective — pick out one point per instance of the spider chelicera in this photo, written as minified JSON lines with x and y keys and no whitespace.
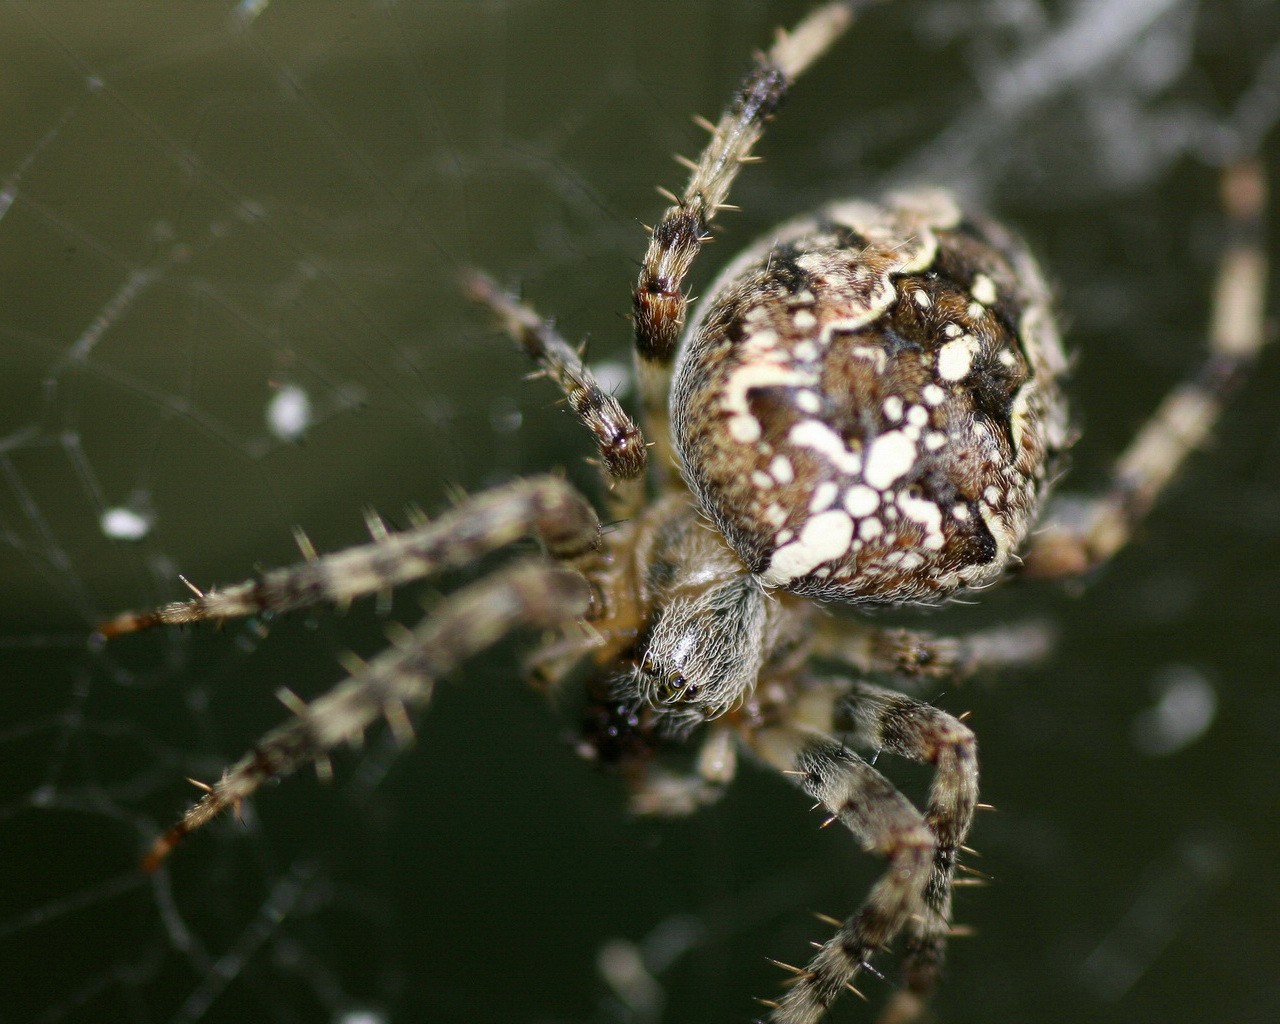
{"x":865,"y":410}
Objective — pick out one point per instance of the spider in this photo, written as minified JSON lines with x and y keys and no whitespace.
{"x":865,"y":410}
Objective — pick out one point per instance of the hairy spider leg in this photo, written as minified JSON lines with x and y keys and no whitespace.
{"x":623,"y":453}
{"x":915,"y":891}
{"x":530,"y":593}
{"x":883,"y":720}
{"x":915,"y":656}
{"x":1081,"y":535}
{"x":545,"y":507}
{"x":659,"y":303}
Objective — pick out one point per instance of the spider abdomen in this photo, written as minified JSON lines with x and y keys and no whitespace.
{"x":866,"y":404}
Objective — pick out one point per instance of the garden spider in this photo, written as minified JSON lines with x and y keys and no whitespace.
{"x":865,"y":410}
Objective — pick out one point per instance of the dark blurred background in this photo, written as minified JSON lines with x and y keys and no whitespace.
{"x":227,"y":252}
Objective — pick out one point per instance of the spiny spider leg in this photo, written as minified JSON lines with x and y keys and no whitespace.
{"x":658,"y":301}
{"x":915,"y":891}
{"x":531,"y":593}
{"x":891,"y":722}
{"x":914,"y":655}
{"x":1079,"y":536}
{"x":544,"y":506}
{"x":621,"y":445}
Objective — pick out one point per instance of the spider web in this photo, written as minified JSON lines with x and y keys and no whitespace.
{"x":229,"y":234}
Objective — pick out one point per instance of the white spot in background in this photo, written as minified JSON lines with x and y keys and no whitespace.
{"x":360,"y":1017}
{"x":933,"y":394}
{"x":823,"y":538}
{"x":613,"y":376}
{"x":890,"y":456}
{"x":505,"y":416}
{"x":870,"y":529}
{"x":893,"y":408}
{"x":289,"y":413}
{"x":122,"y":523}
{"x":621,"y":964}
{"x":1185,"y":707}
{"x":247,"y":11}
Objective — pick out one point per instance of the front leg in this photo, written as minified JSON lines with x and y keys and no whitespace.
{"x":622,"y":450}
{"x":658,"y":302}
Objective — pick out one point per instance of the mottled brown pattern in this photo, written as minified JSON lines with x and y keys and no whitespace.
{"x":859,"y":303}
{"x":867,"y":410}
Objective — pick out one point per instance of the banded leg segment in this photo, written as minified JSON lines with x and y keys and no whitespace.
{"x":884,"y":822}
{"x":659,"y":303}
{"x":1080,"y":535}
{"x":892,"y":722}
{"x":922,"y":850}
{"x":620,"y":444}
{"x":533,"y":593}
{"x":545,"y":507}
{"x":917,"y":656}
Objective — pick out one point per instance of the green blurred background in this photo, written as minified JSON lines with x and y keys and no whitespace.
{"x":209,"y":208}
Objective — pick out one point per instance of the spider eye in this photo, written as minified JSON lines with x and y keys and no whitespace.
{"x":673,"y":687}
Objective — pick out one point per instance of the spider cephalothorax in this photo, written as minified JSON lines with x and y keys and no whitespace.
{"x":865,"y":410}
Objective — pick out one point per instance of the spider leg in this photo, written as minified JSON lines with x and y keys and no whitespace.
{"x":621,"y":446}
{"x":917,"y":656}
{"x":663,"y":793}
{"x":1080,"y":535}
{"x":545,"y":506}
{"x":658,"y":301}
{"x":915,"y":891}
{"x":531,"y":593}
